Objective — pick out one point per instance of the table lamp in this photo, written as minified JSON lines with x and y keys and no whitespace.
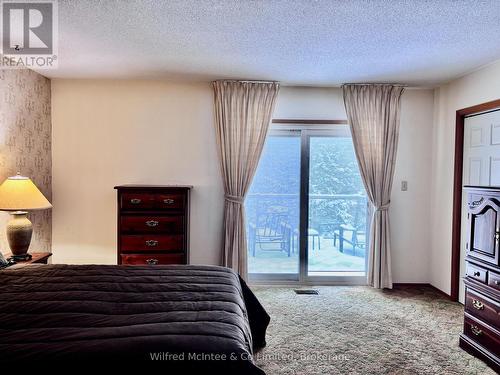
{"x":19,"y":194}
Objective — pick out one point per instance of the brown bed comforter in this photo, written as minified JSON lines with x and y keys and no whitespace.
{"x":187,"y":316}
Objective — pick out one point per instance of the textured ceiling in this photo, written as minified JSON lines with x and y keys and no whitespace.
{"x":302,"y":42}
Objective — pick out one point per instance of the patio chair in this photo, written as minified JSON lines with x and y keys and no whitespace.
{"x":355,"y":235}
{"x":273,"y":231}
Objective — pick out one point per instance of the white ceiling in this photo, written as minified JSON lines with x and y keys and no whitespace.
{"x":301,"y":42}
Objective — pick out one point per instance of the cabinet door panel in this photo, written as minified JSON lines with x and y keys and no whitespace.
{"x":484,"y":229}
{"x":484,"y":226}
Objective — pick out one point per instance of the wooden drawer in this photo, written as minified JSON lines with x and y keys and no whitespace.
{"x":146,"y":201}
{"x":137,"y":201}
{"x":170,"y":201}
{"x":152,"y":224}
{"x":483,"y":308}
{"x":494,"y":280}
{"x":476,"y":272}
{"x":484,"y":336}
{"x":152,"y":243}
{"x":152,"y":259}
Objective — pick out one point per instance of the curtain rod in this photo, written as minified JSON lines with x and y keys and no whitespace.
{"x":375,"y":84}
{"x":308,"y":121}
{"x":244,"y":80}
{"x":347,"y":83}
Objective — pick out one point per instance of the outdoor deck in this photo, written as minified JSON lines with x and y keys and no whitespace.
{"x":326,"y":259}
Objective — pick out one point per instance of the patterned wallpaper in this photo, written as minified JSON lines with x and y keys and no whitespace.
{"x":25,"y":144}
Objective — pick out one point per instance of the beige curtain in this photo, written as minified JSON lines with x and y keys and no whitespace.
{"x":373,"y":115}
{"x":243,"y":112}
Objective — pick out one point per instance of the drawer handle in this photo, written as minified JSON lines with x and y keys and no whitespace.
{"x":152,"y":261}
{"x":497,"y":236}
{"x":476,"y":203}
{"x":475,"y":330}
{"x":151,"y":243}
{"x":135,"y":201}
{"x":152,"y":223}
{"x":168,"y":201}
{"x":477,"y":273}
{"x":478,"y":305}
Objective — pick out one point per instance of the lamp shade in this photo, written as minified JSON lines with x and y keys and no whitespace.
{"x":19,"y":193}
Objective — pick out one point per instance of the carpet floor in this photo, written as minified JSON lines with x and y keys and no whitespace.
{"x":360,"y":330}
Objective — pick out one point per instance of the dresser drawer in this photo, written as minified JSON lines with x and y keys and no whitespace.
{"x":484,"y":336}
{"x":137,"y":201}
{"x":152,"y":224}
{"x":483,"y":308}
{"x":151,"y":259}
{"x":133,"y":243}
{"x":476,"y":272}
{"x":145,"y":201}
{"x":494,"y":280}
{"x":170,"y":201}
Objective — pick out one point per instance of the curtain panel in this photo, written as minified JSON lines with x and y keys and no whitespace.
{"x":243,"y":111}
{"x":373,"y":113}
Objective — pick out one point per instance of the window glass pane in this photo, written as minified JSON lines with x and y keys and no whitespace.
{"x":337,"y":209}
{"x":272,"y":209}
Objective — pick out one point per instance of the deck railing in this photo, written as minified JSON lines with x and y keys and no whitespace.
{"x":273,"y":219}
{"x":325,"y":210}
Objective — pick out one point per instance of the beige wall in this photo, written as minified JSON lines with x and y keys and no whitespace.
{"x":25,"y":143}
{"x":475,"y":88}
{"x":112,"y":132}
{"x":107,"y":133}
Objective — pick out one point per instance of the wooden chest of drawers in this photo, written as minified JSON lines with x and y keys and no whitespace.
{"x":153,"y":224}
{"x":481,"y":336}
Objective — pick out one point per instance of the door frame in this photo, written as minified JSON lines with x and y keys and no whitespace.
{"x":461,"y":114}
{"x":306,"y":129}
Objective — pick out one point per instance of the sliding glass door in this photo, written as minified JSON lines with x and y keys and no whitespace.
{"x":307,"y":209}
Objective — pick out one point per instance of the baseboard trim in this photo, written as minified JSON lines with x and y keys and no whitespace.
{"x":439,"y":291}
{"x":285,"y":283}
{"x":294,"y":283}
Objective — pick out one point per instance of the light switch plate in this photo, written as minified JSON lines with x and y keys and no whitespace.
{"x":404,"y":185}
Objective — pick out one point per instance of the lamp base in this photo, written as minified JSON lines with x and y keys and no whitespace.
{"x":19,"y":232}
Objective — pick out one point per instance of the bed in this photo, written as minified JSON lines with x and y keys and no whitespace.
{"x":186,"y":316}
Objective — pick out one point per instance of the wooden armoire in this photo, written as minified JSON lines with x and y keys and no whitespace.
{"x":481,"y":335}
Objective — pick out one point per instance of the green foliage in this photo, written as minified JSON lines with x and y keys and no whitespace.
{"x":333,"y":168}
